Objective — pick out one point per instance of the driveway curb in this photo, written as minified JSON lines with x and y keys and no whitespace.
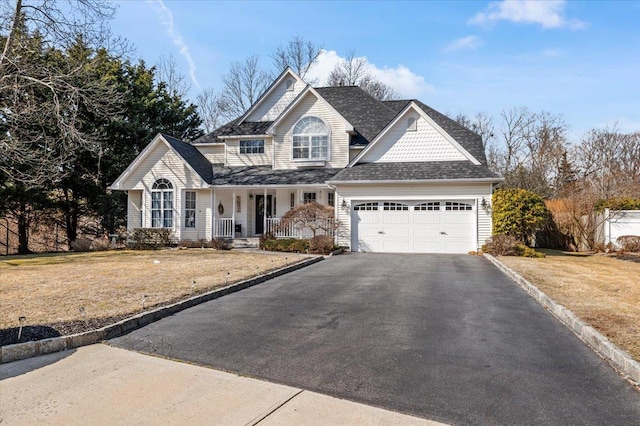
{"x":25,"y":350}
{"x":619,"y":359}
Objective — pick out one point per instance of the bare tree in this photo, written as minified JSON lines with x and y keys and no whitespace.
{"x":481,"y":123}
{"x":167,"y":72}
{"x":210,"y":107}
{"x":299,"y":54}
{"x":242,"y":86}
{"x":354,"y":71}
{"x":610,"y":162}
{"x":349,"y":71}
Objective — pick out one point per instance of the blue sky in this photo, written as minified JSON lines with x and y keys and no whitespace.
{"x":577,"y":58}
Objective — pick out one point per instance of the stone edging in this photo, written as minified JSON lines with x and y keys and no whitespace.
{"x":25,"y":350}
{"x":615,"y":356}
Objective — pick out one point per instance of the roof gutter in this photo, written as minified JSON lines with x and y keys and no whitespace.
{"x":410,"y":181}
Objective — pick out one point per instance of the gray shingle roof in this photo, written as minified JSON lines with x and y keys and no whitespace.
{"x":232,"y":129}
{"x":192,"y":156}
{"x":265,"y":175}
{"x":367,"y":114}
{"x":433,"y":170}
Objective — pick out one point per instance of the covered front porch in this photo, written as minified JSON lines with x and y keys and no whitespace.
{"x":247,"y":212}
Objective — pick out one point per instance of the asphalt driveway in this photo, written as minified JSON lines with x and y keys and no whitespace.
{"x":445,"y":337}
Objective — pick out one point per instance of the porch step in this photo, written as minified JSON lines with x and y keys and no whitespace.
{"x":245,"y":242}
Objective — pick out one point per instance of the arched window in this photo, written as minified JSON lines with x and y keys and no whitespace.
{"x":162,"y":204}
{"x":310,"y":139}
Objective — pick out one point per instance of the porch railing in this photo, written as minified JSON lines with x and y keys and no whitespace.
{"x":223,"y":228}
{"x":274,"y":228}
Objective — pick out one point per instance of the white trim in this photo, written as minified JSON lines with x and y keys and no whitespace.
{"x":294,"y":186}
{"x":411,"y":181}
{"x":287,"y":71}
{"x":184,"y":210}
{"x":272,"y":129}
{"x":116,"y":185}
{"x":262,"y":136}
{"x":416,"y":108}
{"x":302,"y":162}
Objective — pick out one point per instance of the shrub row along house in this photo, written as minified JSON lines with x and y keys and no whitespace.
{"x":401,"y":176}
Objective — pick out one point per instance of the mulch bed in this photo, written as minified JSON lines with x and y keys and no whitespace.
{"x":9,"y":336}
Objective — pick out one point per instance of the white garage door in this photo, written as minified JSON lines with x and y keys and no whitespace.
{"x":414,"y":227}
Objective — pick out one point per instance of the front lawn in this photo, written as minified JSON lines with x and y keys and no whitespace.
{"x":68,"y":292}
{"x":601,"y":290}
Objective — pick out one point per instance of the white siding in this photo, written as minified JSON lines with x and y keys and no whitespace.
{"x":134,"y":210}
{"x":407,"y":192}
{"x":203,"y":217}
{"x":311,"y":106}
{"x":485,"y":223}
{"x":424,"y":144}
{"x":276,"y":102}
{"x":235,"y":159}
{"x":161,"y":162}
{"x":213,"y":153}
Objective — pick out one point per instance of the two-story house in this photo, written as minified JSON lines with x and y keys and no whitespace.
{"x":401,"y":176}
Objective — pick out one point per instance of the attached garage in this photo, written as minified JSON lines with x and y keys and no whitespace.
{"x":423,"y":226}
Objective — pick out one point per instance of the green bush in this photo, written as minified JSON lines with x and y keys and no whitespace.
{"x":149,"y":239}
{"x":292,"y":245}
{"x":518,"y":212}
{"x":525,"y":251}
{"x":619,"y":203}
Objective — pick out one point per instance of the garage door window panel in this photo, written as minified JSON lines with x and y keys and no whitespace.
{"x":395,"y":207}
{"x":456,"y":206}
{"x":430,"y":206}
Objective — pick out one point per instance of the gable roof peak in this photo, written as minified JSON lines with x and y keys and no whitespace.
{"x":265,"y":94}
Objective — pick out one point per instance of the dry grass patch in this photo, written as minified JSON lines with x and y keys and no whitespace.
{"x":601,"y":290}
{"x":49,"y":289}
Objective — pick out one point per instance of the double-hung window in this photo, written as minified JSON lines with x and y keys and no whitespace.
{"x":162,"y":204}
{"x":309,"y":197}
{"x":310,"y":139}
{"x":252,"y":147}
{"x":190,"y":209}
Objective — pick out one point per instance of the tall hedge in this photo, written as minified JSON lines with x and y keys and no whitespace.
{"x":518,"y":212}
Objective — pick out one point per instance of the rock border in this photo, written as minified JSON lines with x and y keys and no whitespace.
{"x":619,"y":359}
{"x":25,"y":350}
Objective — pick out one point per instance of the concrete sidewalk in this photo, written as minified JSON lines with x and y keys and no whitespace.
{"x":99,"y":384}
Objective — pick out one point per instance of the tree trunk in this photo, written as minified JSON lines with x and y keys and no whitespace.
{"x":70,"y":216}
{"x":23,"y":229}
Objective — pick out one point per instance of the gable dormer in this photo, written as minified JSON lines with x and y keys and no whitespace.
{"x":276,"y":98}
{"x":413,"y":136}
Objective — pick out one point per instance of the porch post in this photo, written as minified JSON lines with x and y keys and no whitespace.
{"x":214,"y":227}
{"x":264,"y":216}
{"x":233,"y":214}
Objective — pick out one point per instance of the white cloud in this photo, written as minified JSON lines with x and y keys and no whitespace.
{"x":465,"y":43}
{"x":404,"y":81}
{"x":549,"y":14}
{"x":166,"y":18}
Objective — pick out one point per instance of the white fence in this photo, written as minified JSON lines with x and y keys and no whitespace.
{"x":616,"y":223}
{"x":291,"y":231}
{"x":223,"y":228}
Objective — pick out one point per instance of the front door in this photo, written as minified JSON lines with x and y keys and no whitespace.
{"x":261,"y":211}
